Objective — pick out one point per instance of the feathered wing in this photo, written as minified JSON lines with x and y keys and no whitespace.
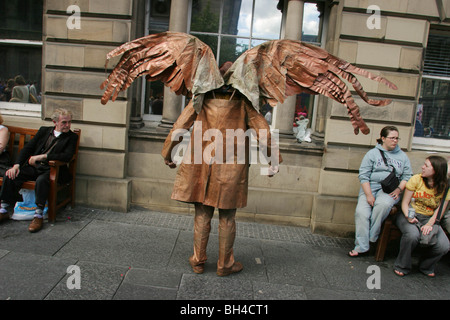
{"x":280,"y":68}
{"x":181,"y":61}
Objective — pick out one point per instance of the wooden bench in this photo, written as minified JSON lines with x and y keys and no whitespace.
{"x":21,"y":136}
{"x":389,"y":231}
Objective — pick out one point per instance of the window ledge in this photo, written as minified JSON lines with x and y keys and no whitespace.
{"x":430,"y":144}
{"x":21,"y":109}
{"x":293,"y":146}
{"x":151,"y":131}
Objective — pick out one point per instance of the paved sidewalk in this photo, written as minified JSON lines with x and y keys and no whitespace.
{"x":143,"y":255}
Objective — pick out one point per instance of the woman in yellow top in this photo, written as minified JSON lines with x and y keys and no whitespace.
{"x":426,"y":190}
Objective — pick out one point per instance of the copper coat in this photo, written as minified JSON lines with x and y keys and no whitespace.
{"x":220,"y":185}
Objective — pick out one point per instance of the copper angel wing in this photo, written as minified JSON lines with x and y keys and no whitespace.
{"x":181,"y":61}
{"x":280,"y":68}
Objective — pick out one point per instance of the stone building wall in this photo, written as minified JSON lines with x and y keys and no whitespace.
{"x":74,"y":68}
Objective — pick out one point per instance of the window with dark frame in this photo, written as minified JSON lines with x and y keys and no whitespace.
{"x":21,"y":46}
{"x":433,"y":110}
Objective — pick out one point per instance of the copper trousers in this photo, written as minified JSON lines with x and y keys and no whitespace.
{"x":227,"y":234}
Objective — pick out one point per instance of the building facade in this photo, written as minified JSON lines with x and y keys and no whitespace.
{"x":406,"y":41}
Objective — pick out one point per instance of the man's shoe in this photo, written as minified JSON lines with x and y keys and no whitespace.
{"x":36,"y":224}
{"x":4,"y":217}
{"x":237,"y":266}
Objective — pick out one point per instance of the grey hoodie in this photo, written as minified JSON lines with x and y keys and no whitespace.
{"x":374,"y":170}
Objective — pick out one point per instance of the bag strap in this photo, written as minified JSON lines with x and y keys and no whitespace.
{"x":385,"y":161}
{"x":438,"y":217}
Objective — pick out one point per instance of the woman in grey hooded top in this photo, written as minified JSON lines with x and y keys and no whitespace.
{"x":373,"y":203}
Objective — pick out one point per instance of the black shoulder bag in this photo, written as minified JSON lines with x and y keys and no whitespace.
{"x":391,"y":182}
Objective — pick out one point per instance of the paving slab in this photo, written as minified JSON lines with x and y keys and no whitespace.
{"x":199,"y":287}
{"x":122,"y":244}
{"x":26,"y":276}
{"x":14,"y":236}
{"x":97,"y":281}
{"x":149,"y":284}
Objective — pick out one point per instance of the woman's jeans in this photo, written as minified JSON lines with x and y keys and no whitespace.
{"x":410,"y":240}
{"x":445,"y":220}
{"x":368,"y":219}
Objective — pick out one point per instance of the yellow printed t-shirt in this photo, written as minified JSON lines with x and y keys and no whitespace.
{"x":425,"y":199}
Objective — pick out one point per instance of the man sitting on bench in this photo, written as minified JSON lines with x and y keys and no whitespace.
{"x":50,"y":143}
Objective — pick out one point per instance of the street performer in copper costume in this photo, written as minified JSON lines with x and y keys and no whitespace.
{"x":217,"y":182}
{"x":227,"y":101}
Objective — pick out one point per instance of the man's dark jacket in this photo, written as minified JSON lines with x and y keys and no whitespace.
{"x":63,"y":150}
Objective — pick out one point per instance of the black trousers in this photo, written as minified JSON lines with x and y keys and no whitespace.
{"x":10,"y":188}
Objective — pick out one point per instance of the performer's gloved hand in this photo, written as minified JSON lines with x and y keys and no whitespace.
{"x":273,"y":170}
{"x":171,"y":164}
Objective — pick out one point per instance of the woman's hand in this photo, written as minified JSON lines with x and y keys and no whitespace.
{"x":426,"y":229}
{"x":370,"y":199}
{"x":368,"y":192}
{"x":396,"y":193}
{"x":412,"y":220}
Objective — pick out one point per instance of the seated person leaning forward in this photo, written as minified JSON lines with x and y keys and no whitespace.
{"x":374,"y":204}
{"x":427,"y":190}
{"x":57,"y":142}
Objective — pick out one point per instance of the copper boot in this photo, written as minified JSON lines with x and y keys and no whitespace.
{"x":227,"y":233}
{"x":202,"y":228}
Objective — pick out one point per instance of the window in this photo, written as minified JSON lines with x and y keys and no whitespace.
{"x":234,"y":26}
{"x":21,"y":47}
{"x":312,"y":33}
{"x":153,"y":92}
{"x":432,"y":125}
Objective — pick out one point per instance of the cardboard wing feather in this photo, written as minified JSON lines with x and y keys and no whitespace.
{"x":267,"y":73}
